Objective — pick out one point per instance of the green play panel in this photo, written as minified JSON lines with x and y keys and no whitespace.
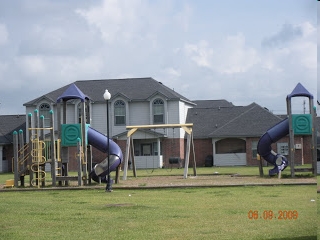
{"x":302,"y":124}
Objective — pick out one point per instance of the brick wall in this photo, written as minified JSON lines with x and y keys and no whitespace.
{"x":202,"y":147}
{"x":307,"y":151}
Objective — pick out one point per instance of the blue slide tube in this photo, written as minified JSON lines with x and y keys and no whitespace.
{"x":100,"y":141}
{"x":264,"y":149}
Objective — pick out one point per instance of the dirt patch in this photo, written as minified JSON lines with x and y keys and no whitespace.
{"x":154,"y":181}
{"x":207,"y":180}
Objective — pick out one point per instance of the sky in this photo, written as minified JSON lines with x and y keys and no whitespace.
{"x":241,"y":51}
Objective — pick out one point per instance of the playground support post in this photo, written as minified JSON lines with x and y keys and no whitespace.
{"x":16,"y":162}
{"x":41,"y":138}
{"x":30,"y":133}
{"x":314,"y":141}
{"x":21,"y":155}
{"x":84,"y":143}
{"x":53,"y":150}
{"x":79,"y":154}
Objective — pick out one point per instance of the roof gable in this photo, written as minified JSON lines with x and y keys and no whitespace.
{"x":9,"y":124}
{"x":252,"y":122}
{"x":135,"y":89}
{"x":237,"y":121}
{"x":212,"y":103}
{"x":205,"y":120}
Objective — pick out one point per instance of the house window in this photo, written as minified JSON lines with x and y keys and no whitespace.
{"x":44,"y":110}
{"x":158,"y":111}
{"x":230,"y":145}
{"x":119,"y":113}
{"x":254,"y":150}
{"x":146,"y":149}
{"x":283,"y":148}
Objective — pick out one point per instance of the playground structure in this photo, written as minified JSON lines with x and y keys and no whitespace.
{"x":31,"y":158}
{"x":294,"y":125}
{"x":130,"y":154}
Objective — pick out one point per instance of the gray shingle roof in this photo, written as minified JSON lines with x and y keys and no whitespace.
{"x":134,"y":89}
{"x":8,"y":124}
{"x":212,"y":103}
{"x":236,"y":121}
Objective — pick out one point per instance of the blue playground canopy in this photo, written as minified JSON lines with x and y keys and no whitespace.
{"x":300,"y":91}
{"x":72,"y":92}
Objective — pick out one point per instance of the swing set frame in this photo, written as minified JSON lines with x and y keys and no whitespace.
{"x":187,"y":127}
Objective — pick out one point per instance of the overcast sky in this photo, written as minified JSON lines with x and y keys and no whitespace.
{"x":242,"y":51}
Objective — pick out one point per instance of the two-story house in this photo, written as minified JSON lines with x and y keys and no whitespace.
{"x":134,"y":101}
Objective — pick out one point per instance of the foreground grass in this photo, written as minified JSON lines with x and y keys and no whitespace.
{"x":186,"y":213}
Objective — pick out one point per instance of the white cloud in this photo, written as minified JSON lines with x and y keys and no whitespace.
{"x":229,"y":56}
{"x":4,"y":35}
{"x":114,"y":19}
{"x":300,"y":51}
{"x":175,"y":73}
{"x":31,"y":65}
{"x":183,"y":17}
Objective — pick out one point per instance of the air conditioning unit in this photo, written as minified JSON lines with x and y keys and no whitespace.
{"x":298,"y":146}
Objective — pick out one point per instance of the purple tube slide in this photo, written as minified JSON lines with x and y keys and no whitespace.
{"x":275,"y":133}
{"x":100,"y":141}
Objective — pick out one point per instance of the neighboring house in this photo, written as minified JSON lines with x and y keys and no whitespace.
{"x":228,"y":134}
{"x":9,"y":124}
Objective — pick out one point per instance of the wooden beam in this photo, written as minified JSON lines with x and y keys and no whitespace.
{"x":186,"y":161}
{"x":132,"y":131}
{"x":187,"y":130}
{"x":126,"y":159}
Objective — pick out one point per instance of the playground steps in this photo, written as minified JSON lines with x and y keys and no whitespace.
{"x":9,"y":183}
{"x":67,"y":178}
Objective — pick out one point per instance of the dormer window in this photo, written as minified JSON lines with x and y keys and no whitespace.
{"x":119,"y":112}
{"x":158,"y":111}
{"x":44,"y":110}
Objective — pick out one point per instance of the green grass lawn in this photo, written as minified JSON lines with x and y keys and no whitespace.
{"x":186,"y":213}
{"x":177,"y":213}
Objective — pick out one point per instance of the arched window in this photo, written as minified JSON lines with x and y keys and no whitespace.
{"x":158,"y":111}
{"x":44,"y":110}
{"x":119,"y":112}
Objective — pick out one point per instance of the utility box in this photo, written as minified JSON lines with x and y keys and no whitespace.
{"x":302,"y":124}
{"x":298,"y":146}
